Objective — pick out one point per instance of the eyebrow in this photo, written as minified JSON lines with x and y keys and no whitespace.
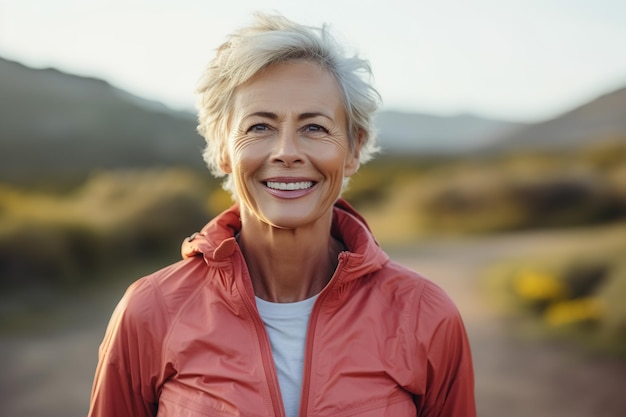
{"x":274,"y":116}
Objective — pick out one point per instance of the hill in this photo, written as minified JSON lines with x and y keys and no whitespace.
{"x":603,"y":118}
{"x":415,"y":133}
{"x":56,"y":122}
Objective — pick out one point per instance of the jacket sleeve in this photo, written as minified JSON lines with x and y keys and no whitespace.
{"x":448,"y":369}
{"x":129,"y":362}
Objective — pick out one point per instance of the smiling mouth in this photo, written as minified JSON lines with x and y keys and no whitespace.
{"x":289,"y":186}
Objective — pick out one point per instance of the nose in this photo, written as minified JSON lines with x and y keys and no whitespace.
{"x":287,"y":148}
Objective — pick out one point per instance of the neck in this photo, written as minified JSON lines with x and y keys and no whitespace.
{"x":288,"y":265}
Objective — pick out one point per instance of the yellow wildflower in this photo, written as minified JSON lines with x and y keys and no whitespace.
{"x":538,"y":286}
{"x":575,"y":311}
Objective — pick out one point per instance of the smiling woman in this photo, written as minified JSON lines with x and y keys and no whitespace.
{"x":285,"y":305}
{"x":289,"y":129}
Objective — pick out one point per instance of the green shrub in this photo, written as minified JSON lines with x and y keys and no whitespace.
{"x":579,"y":296}
{"x":114,"y":217}
{"x":52,"y":254}
{"x":497,"y":193}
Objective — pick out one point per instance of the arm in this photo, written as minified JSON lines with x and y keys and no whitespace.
{"x":129,"y":366}
{"x":449,"y":384}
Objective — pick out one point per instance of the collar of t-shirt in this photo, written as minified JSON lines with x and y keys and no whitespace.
{"x":286,"y":325}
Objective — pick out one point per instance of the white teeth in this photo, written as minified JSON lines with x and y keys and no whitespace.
{"x":290,"y":185}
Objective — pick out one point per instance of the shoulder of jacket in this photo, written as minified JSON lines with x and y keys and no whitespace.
{"x":394,"y":277}
{"x":411,"y":289}
{"x":166,"y":290}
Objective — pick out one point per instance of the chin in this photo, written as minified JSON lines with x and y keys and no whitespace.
{"x":289,"y":221}
{"x":294,"y":217}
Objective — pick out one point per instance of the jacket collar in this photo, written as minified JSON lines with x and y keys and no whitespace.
{"x":216,"y":241}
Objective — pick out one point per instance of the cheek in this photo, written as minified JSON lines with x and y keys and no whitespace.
{"x":245,"y":154}
{"x":333,"y":158}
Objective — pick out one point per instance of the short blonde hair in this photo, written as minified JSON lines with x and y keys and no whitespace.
{"x":270,"y":40}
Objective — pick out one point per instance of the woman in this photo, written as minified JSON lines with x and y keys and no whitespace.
{"x":284,"y":305}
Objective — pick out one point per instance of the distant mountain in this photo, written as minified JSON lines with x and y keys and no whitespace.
{"x":53,"y":122}
{"x":603,"y":118}
{"x":414,"y":133}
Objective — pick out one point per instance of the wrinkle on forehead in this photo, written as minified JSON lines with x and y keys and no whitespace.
{"x":301,"y":98}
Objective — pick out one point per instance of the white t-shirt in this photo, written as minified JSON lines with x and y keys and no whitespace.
{"x":286,"y":325}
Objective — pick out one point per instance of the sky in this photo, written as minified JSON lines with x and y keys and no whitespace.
{"x":517,"y":60}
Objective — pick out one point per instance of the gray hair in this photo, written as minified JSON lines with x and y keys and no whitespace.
{"x":273,"y":39}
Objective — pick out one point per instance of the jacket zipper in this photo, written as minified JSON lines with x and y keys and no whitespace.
{"x":270,"y":370}
{"x":306,"y":373}
{"x":266,"y":353}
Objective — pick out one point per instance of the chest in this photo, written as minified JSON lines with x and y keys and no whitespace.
{"x":224,"y":366}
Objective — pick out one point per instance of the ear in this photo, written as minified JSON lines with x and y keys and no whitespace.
{"x":353,"y":160}
{"x":225,"y":164}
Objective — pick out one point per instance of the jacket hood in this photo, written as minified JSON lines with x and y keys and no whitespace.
{"x":216,"y":241}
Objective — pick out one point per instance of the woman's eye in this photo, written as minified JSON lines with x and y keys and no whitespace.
{"x":258,"y":128}
{"x":316,"y":128}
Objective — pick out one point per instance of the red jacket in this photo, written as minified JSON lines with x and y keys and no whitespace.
{"x":187,"y":341}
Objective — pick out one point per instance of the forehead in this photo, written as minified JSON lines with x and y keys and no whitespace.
{"x":298,"y":86}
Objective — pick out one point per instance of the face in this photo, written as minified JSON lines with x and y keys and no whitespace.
{"x":288,"y":151}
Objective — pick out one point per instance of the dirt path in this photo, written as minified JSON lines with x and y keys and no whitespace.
{"x":49,"y":374}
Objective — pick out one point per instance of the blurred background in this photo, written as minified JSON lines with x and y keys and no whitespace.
{"x":502,"y":177}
